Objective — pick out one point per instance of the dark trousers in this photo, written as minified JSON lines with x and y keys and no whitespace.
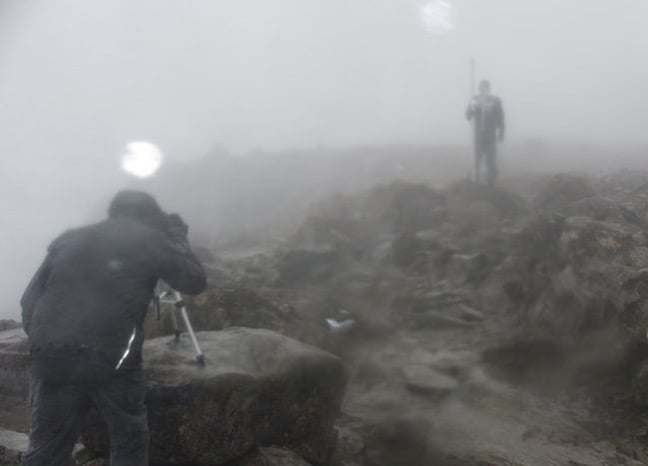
{"x":57,"y":411}
{"x":486,"y":154}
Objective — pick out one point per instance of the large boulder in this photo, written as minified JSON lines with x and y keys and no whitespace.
{"x":258,"y":388}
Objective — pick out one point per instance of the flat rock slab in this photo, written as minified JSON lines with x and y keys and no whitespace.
{"x":258,"y":388}
{"x":422,"y":379}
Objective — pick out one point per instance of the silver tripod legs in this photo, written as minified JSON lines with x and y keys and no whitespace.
{"x":179,"y":304}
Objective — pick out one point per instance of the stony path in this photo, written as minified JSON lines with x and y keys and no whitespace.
{"x":429,"y":395}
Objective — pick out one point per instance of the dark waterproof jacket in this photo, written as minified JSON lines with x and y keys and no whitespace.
{"x":487,"y":114}
{"x":95,"y":285}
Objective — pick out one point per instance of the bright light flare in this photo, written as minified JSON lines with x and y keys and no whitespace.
{"x":438,"y":16}
{"x":141,"y":159}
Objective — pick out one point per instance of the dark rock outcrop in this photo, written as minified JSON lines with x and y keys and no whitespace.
{"x":573,"y":276}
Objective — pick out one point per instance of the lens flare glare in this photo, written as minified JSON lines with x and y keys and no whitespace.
{"x":141,"y":159}
{"x":438,"y":16}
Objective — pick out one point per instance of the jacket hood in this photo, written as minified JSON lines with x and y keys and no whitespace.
{"x":137,"y":205}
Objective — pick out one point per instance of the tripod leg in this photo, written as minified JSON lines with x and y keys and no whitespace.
{"x":200,"y":357}
{"x":176,"y":328}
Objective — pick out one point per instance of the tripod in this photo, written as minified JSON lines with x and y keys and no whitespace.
{"x":171,"y":296}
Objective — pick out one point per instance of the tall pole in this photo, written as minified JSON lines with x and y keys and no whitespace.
{"x":471,"y":100}
{"x":472,"y":77}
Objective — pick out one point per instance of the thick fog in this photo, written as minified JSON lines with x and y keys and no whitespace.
{"x":80,"y":79}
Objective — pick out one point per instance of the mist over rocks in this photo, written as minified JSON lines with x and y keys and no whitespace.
{"x":233,"y":199}
{"x":564,"y":256}
{"x":566,"y":261}
{"x":455,"y":295}
{"x":520,"y":311}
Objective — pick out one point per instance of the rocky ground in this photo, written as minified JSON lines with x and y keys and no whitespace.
{"x":501,"y":327}
{"x":470,"y":326}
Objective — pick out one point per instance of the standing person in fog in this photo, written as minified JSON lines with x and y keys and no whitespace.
{"x":486,"y":112}
{"x":84,"y":310}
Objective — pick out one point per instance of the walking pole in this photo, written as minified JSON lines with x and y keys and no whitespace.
{"x":471,"y":93}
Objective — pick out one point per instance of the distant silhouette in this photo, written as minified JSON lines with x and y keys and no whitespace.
{"x":486,"y":113}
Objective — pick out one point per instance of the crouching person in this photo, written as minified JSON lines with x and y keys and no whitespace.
{"x":83,"y":312}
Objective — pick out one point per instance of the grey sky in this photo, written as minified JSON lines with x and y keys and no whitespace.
{"x":79,"y":79}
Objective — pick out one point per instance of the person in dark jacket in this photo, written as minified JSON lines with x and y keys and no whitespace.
{"x":83,"y":312}
{"x":486,"y":112}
